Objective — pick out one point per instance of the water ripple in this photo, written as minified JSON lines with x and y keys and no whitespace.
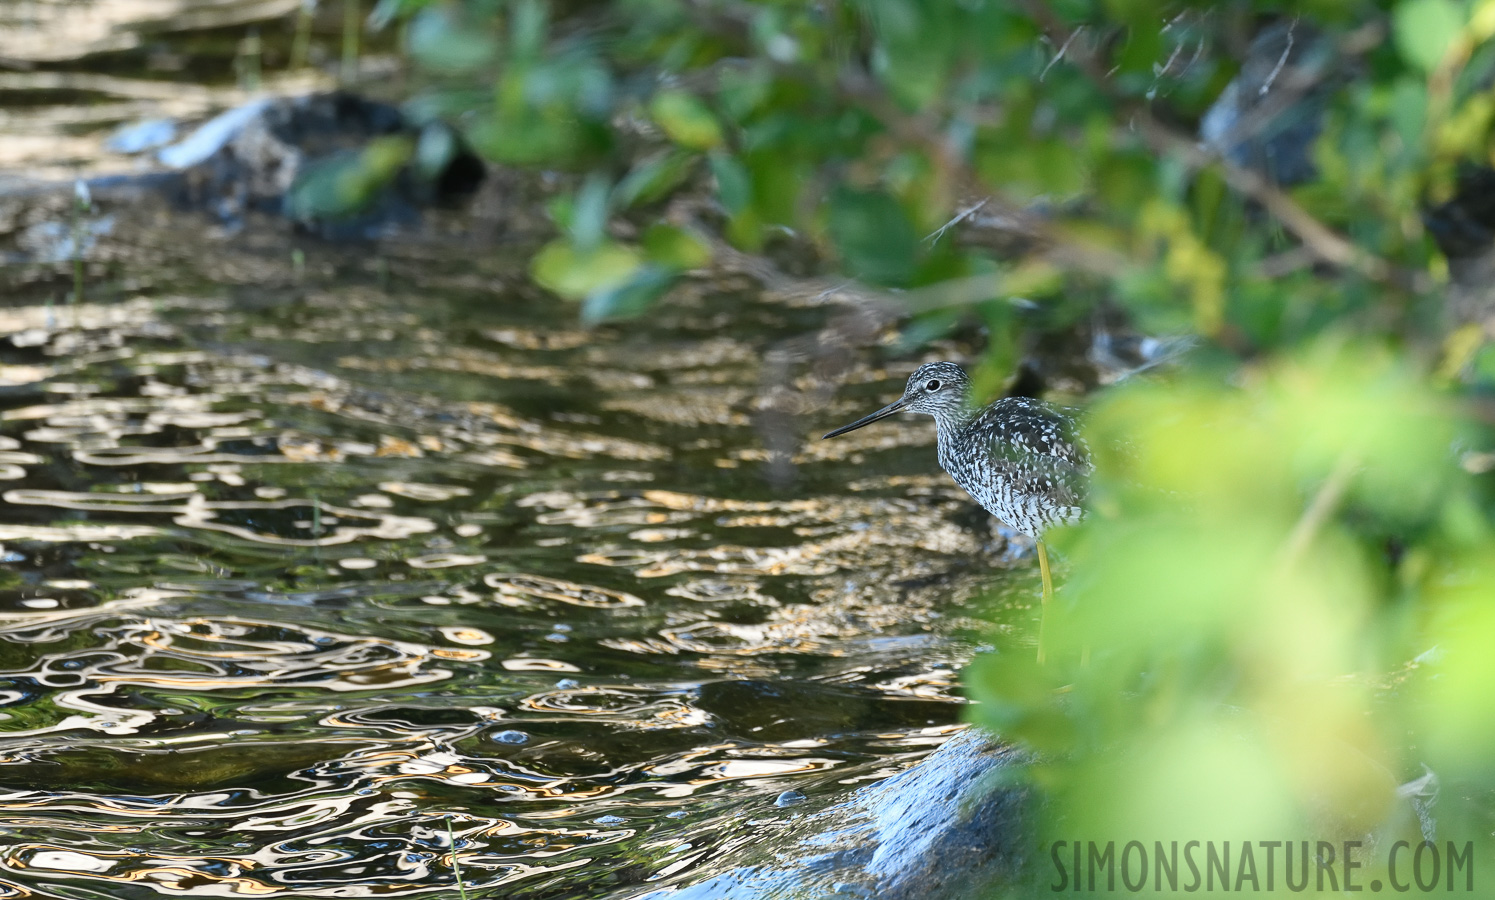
{"x":516,"y":589}
{"x":290,"y":585}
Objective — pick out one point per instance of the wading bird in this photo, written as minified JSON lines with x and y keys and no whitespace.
{"x":1021,"y":459}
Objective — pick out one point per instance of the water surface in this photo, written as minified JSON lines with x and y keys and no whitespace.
{"x":306,"y":559}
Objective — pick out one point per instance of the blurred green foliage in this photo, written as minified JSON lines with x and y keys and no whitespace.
{"x":349,"y":182}
{"x":1277,"y":615}
{"x":859,"y":128}
{"x":1283,"y":607}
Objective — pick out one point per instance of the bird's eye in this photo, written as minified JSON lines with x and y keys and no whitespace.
{"x":933,"y":385}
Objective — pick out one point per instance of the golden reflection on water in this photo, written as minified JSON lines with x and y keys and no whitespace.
{"x":274,"y":612}
{"x":520,"y":589}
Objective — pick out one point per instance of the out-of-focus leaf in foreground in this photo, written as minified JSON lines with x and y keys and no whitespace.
{"x":1277,"y":613}
{"x":346,"y":184}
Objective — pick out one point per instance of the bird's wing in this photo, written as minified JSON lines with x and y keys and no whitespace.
{"x":1040,"y":444}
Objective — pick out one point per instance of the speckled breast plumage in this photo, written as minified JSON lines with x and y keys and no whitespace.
{"x":1021,"y":459}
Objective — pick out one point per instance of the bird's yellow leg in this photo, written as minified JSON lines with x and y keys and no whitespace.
{"x":1048,"y":593}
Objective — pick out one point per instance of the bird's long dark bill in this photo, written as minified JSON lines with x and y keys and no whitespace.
{"x":895,"y":406}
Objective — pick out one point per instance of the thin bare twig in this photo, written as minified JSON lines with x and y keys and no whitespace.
{"x":1320,"y":508}
{"x":1063,"y":48}
{"x":1286,"y":262}
{"x":1281,"y":61}
{"x":934,"y":237}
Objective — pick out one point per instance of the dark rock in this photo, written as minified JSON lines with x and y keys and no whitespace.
{"x":252,"y":161}
{"x":1272,"y":111}
{"x":1464,"y":227}
{"x":252,"y":158}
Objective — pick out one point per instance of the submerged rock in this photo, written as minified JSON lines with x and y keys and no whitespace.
{"x":942,"y":829}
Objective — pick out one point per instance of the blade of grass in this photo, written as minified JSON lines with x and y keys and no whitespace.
{"x":456,"y":867}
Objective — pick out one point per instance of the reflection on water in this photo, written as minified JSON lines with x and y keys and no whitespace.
{"x":292,"y":577}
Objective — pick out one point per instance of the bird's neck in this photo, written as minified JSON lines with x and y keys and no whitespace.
{"x":949,"y":423}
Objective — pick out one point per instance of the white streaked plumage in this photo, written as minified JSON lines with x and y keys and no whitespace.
{"x":1021,"y":459}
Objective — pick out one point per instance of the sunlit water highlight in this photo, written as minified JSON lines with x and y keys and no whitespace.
{"x":293,"y":575}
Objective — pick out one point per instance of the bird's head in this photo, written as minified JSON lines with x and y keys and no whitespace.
{"x":934,"y":389}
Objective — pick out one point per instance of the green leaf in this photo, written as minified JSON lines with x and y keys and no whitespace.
{"x":1408,"y":109}
{"x":525,"y":139}
{"x":538,"y":121}
{"x":565,"y":269}
{"x":440,"y":41}
{"x":1143,"y":47}
{"x":435,"y":149}
{"x":925,"y":329}
{"x":653,"y":178}
{"x":1423,"y":30}
{"x":745,"y":230}
{"x":529,"y":23}
{"x":873,"y":236}
{"x":777,"y":184}
{"x":346,"y":184}
{"x":686,"y":120}
{"x":589,"y":212}
{"x":632,"y":297}
{"x":741,"y":92}
{"x":676,"y":248}
{"x":733,"y":184}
